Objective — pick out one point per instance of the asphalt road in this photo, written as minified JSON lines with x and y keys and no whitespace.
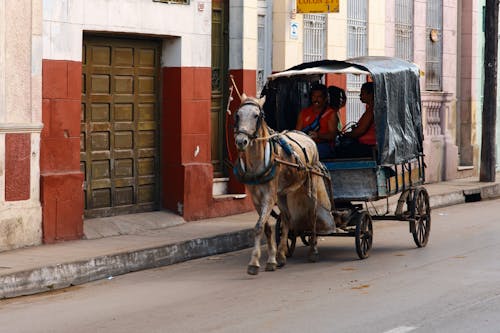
{"x":452,"y":285}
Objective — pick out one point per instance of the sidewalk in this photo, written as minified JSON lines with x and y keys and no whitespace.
{"x":119,"y":245}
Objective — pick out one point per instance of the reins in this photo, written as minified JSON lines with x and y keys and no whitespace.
{"x":269,"y":172}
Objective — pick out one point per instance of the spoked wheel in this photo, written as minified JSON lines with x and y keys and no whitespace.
{"x":364,"y":234}
{"x":420,"y":225}
{"x":292,"y":238}
{"x":403,"y":209}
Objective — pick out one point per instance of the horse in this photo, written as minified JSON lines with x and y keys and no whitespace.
{"x":281,"y":169}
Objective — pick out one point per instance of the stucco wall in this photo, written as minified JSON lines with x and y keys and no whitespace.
{"x":65,"y":21}
{"x":20,"y":116}
{"x":376,"y":28}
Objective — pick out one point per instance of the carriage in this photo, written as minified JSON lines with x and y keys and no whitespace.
{"x":397,"y":163}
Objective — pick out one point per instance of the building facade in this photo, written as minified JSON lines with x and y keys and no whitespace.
{"x":20,"y":123}
{"x":113,"y":107}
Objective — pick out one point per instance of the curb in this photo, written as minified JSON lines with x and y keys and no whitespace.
{"x":43,"y":279}
{"x":49,"y":278}
{"x":484,"y":192}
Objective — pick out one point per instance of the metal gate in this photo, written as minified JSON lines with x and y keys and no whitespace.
{"x":404,"y":29}
{"x":434,"y":47}
{"x":314,"y":37}
{"x":357,"y":45}
{"x":119,"y":125}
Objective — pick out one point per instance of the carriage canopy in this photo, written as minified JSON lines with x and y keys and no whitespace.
{"x":398,"y":111}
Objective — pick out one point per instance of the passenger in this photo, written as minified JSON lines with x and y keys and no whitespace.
{"x":337,"y":97}
{"x":319,"y":121}
{"x":364,"y":131}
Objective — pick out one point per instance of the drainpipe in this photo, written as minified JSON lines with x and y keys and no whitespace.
{"x":458,"y":138}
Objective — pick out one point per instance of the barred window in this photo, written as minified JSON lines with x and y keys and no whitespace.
{"x":434,"y":47}
{"x":404,"y":29}
{"x":264,"y":43}
{"x":260,"y":53}
{"x":357,"y":45}
{"x":314,"y":37}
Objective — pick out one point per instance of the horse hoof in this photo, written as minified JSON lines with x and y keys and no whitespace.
{"x":314,"y":257}
{"x":253,"y":270}
{"x":270,"y":267}
{"x":281,"y":262}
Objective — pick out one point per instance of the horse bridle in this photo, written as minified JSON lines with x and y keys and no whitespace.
{"x":251,"y":136}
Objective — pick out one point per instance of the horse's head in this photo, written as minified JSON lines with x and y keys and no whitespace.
{"x":248,"y":120}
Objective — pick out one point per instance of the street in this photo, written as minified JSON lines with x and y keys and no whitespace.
{"x":452,"y":285}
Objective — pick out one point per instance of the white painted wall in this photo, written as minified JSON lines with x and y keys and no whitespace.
{"x":243,"y":34}
{"x":20,"y":112}
{"x":3,"y":111}
{"x":64,"y":22}
{"x":376,"y":28}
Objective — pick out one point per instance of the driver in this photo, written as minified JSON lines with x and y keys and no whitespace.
{"x":319,"y":121}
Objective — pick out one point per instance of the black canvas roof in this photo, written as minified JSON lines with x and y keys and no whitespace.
{"x":398,"y":111}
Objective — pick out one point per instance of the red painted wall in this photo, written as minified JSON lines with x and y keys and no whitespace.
{"x":61,"y":180}
{"x":187,"y":179}
{"x":245,"y":81}
{"x":17,"y":166}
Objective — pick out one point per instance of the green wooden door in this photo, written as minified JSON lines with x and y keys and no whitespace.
{"x":220,"y":54}
{"x":119,"y":125}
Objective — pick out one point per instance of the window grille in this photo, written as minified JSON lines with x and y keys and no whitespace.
{"x":357,"y":45}
{"x":404,"y":29}
{"x":314,"y":37}
{"x":264,"y":43}
{"x":261,"y":53}
{"x":434,"y":47}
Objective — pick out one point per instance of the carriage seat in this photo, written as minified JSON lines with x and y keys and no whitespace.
{"x":346,"y":157}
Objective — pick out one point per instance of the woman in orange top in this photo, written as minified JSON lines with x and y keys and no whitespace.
{"x":319,"y":121}
{"x":364,"y":132}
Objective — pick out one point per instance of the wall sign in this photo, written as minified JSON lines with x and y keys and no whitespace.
{"x":317,"y":6}
{"x":180,"y":2}
{"x":294,"y":30}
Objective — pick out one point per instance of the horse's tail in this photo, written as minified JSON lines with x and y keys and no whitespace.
{"x":327,"y":179}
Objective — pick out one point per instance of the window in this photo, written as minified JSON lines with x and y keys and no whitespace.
{"x":264,"y":44}
{"x":357,"y":45}
{"x":434,"y":47}
{"x":404,"y":29}
{"x":314,"y":37}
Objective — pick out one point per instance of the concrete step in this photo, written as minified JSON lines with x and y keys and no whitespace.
{"x":220,"y":186}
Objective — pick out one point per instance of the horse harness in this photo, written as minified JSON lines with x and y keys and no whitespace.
{"x":270,"y":159}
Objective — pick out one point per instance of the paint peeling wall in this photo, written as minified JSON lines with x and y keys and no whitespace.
{"x":20,"y":123}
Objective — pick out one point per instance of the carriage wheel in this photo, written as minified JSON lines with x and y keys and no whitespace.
{"x":364,"y":234}
{"x":403,"y":209}
{"x":292,"y":238}
{"x":420,"y":225}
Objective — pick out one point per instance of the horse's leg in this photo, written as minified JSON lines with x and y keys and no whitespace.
{"x":254,"y":265}
{"x":313,"y":240}
{"x":271,"y":248}
{"x":285,"y":225}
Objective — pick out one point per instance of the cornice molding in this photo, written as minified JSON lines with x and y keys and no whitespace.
{"x":21,"y":127}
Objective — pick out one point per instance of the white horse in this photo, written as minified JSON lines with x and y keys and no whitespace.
{"x":281,"y":169}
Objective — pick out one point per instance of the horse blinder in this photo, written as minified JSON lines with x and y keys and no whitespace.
{"x":259,"y":117}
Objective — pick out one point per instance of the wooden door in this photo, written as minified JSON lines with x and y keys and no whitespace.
{"x":220,"y":54}
{"x":119,"y":125}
